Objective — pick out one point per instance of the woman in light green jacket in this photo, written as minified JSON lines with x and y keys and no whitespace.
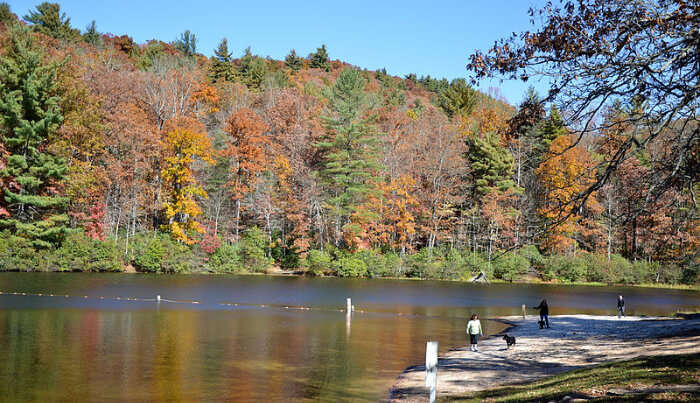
{"x":474,"y":330}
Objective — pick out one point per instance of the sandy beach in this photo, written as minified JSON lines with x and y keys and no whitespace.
{"x":573,"y":341}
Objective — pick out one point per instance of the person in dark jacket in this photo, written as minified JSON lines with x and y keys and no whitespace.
{"x":544,"y":312}
{"x":620,"y":306}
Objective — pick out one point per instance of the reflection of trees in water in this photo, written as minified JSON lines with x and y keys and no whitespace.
{"x":211,"y":352}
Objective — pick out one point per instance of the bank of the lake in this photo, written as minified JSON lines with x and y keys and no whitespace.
{"x":277,"y":272}
{"x":159,"y":253}
{"x":573,"y":341}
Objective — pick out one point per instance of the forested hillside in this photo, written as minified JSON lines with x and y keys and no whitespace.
{"x":152,"y":156}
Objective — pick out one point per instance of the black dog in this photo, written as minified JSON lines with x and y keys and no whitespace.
{"x":541,"y":323}
{"x":510,"y":341}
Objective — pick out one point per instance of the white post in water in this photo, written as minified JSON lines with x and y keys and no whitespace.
{"x":431,"y":361}
{"x":523,"y":311}
{"x":157,"y":298}
{"x":348,"y":324}
{"x":348,"y":304}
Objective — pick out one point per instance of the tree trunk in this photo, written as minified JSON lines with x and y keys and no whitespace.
{"x":238,"y":218}
{"x":269,"y":234}
{"x":609,"y":227}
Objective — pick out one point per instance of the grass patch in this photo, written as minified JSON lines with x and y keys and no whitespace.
{"x":593,"y":383}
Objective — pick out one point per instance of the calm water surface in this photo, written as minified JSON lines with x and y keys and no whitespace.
{"x":263,"y":349}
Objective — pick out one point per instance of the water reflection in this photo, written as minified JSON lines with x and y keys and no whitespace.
{"x":175,"y":355}
{"x":76,"y":349}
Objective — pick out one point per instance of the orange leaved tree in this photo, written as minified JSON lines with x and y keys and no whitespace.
{"x":247,"y":151}
{"x":565,"y":172}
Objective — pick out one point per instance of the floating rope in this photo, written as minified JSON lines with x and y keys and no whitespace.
{"x":118,"y":298}
{"x":172,"y":301}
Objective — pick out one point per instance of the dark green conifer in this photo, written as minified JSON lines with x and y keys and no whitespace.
{"x":491,"y":163}
{"x":293,"y":61}
{"x":320,"y":59}
{"x":350,"y":146}
{"x":91,"y":35}
{"x":542,"y":135}
{"x":245,"y":62}
{"x":29,"y":117}
{"x":256,"y":73}
{"x":221,"y":67}
{"x":458,"y":99}
{"x":252,"y":70}
{"x":187,"y":43}
{"x":49,"y":20}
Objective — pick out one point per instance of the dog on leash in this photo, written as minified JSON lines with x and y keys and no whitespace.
{"x":510,"y":341}
{"x":541,"y":323}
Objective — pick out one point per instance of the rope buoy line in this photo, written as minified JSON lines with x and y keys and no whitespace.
{"x":227,"y":304}
{"x":159,"y":299}
{"x":284,"y":307}
{"x":119,"y":298}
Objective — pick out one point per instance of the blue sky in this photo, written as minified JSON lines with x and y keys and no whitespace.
{"x":402,"y":36}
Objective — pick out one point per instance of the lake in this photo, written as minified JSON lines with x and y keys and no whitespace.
{"x":103,"y":337}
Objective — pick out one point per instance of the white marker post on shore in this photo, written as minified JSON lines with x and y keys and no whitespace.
{"x":157,"y":298}
{"x":523,"y":311}
{"x":431,"y":361}
{"x":348,"y":305}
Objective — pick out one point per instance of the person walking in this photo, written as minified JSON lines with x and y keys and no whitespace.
{"x":620,"y":306}
{"x":544,"y":312}
{"x":474,"y":330}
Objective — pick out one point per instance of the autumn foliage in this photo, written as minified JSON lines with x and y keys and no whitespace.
{"x":236,"y":159}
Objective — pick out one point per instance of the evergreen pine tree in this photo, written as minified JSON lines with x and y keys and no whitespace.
{"x":293,"y":61}
{"x":91,"y":35}
{"x":320,"y":59}
{"x":49,"y":20}
{"x":350,"y":149}
{"x":256,"y":73}
{"x":6,"y":15}
{"x":530,"y":113}
{"x":492,"y":164}
{"x":552,"y":127}
{"x":245,"y":62}
{"x":542,"y":135}
{"x":187,"y":43}
{"x":457,"y":99}
{"x":221,"y":67}
{"x":29,"y":116}
{"x":252,"y":70}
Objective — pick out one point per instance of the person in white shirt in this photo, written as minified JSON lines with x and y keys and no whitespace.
{"x":474,"y":330}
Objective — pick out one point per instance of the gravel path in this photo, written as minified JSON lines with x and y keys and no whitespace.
{"x":573,"y":341}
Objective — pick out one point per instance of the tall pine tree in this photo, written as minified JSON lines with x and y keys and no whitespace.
{"x":320,"y":59}
{"x":221,"y":68}
{"x":91,"y":35}
{"x":293,"y":61}
{"x":187,"y":43}
{"x":457,"y":99}
{"x":492,"y":164}
{"x":551,"y":128}
{"x":350,"y":147}
{"x":48,"y":19}
{"x":29,"y":117}
{"x":252,"y":70}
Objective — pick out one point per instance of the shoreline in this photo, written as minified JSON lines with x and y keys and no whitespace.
{"x":574,"y":341}
{"x":280,"y":273}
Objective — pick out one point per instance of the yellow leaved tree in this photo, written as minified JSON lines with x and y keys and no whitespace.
{"x":183,"y":144}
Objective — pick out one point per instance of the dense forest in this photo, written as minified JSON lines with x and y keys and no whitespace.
{"x":122,"y":156}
